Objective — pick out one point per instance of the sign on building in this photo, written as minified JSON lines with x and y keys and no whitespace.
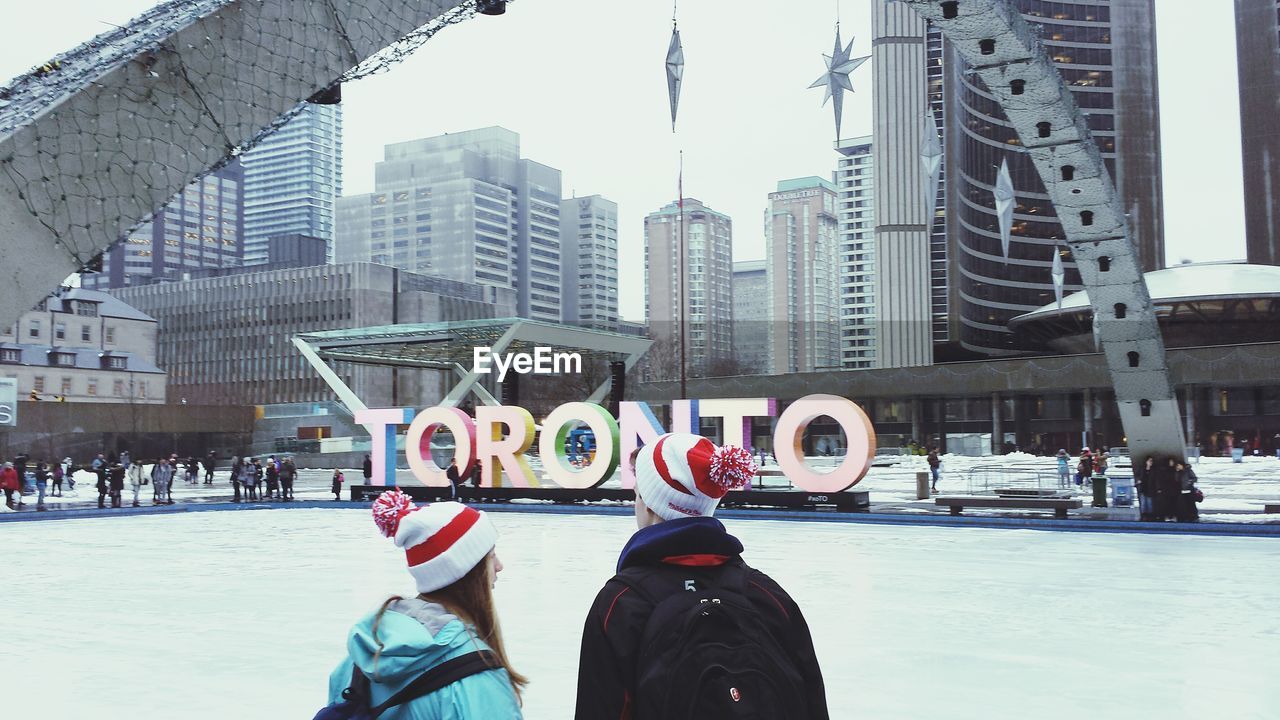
{"x":8,"y":402}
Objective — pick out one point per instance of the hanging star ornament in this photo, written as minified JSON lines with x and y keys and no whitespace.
{"x":836,"y":78}
{"x":675,"y":72}
{"x":1004,"y":205}
{"x":1059,"y":276}
{"x":930,"y":159}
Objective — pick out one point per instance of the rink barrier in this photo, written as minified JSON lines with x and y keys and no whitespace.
{"x":626,"y":510}
{"x":844,"y":502}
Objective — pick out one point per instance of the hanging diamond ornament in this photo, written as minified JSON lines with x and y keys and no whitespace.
{"x":1004,"y":205}
{"x":931,"y":160}
{"x":836,"y":78}
{"x":1059,"y":275}
{"x":675,"y":72}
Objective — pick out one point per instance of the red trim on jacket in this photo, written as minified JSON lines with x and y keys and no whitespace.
{"x":610,"y":612}
{"x":697,"y":560}
{"x":765,"y":590}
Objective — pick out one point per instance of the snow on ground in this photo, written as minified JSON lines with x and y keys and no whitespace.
{"x":243,"y":614}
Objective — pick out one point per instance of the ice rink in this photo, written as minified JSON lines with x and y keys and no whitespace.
{"x":243,"y":614}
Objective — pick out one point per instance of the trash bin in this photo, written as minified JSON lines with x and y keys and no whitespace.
{"x":922,"y":486}
{"x":1123,"y":491}
{"x":1099,"y":491}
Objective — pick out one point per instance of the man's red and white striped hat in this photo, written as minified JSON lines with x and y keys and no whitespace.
{"x":442,"y":541}
{"x":684,"y":475}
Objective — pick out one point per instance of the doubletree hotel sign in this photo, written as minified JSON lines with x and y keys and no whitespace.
{"x":499,"y":435}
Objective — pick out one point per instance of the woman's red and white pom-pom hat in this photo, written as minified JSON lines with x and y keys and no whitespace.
{"x":441,"y":541}
{"x":684,"y":475}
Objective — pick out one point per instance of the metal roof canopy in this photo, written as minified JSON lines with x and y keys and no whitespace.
{"x":451,"y":346}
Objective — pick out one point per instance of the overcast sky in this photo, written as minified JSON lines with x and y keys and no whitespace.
{"x":582,"y":82}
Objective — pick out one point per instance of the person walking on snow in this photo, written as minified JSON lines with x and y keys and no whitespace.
{"x":115,"y":475}
{"x":336,"y":488}
{"x":1064,"y":469}
{"x":9,"y":483}
{"x":935,"y":463}
{"x":686,"y":623}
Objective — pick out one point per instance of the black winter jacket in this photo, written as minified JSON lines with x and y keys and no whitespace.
{"x":676,"y":551}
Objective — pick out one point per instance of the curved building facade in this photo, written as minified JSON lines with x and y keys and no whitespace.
{"x":1105,"y":51}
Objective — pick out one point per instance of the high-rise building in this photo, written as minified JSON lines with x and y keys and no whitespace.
{"x":1258,"y":63}
{"x":857,"y":253}
{"x":693,"y":284}
{"x":292,"y":178}
{"x":1105,"y":53}
{"x":200,"y":227}
{"x":589,"y":255}
{"x":751,"y":316}
{"x":800,"y":236}
{"x":903,"y":206}
{"x":464,"y":206}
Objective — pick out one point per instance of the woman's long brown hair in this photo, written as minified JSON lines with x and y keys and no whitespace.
{"x":471,"y":599}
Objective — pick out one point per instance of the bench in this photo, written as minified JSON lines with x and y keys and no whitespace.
{"x":1059,"y":506}
{"x":1271,"y":508}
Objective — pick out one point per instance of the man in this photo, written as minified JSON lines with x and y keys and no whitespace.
{"x":135,"y":479}
{"x":686,"y":626}
{"x":209,"y":461}
{"x":455,"y":479}
{"x":288,"y":473}
{"x":368,"y":470}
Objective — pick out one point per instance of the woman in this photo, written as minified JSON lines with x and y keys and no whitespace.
{"x":9,"y":483}
{"x":1084,"y":469}
{"x":336,"y":489}
{"x":1186,"y":510}
{"x":1064,"y":469}
{"x":450,"y":550}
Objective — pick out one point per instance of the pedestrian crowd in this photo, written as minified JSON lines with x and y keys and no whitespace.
{"x":1167,"y":491}
{"x":685,"y":628}
{"x":252,"y":479}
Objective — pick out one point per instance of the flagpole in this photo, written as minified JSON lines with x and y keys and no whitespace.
{"x":683,"y":260}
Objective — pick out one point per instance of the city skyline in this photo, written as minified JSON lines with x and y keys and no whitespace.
{"x":378,"y":110}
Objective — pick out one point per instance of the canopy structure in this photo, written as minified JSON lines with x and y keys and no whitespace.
{"x":451,"y":346}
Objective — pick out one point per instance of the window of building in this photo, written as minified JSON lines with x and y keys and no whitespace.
{"x":37,"y":384}
{"x":86,"y":334}
{"x":10,"y":355}
{"x":87,"y":309}
{"x":117,"y":388}
{"x":34,"y":329}
{"x":93,"y":387}
{"x":63,"y":359}
{"x":116,"y":362}
{"x":109,"y":335}
{"x":60,"y":331}
{"x":142,"y":389}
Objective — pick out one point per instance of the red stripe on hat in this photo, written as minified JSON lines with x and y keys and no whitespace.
{"x":444,"y":538}
{"x":660,"y":464}
{"x":699,"y":457}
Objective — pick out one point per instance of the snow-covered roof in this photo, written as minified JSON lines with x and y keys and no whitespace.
{"x":1187,"y":283}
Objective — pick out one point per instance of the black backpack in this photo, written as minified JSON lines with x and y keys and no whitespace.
{"x":355,"y":703}
{"x":708,"y":653}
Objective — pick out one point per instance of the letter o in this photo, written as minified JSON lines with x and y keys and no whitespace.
{"x":789,"y":433}
{"x":551,"y":445}
{"x":421,"y":430}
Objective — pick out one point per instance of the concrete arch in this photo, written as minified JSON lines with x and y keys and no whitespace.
{"x":1018,"y":55}
{"x":97,"y":139}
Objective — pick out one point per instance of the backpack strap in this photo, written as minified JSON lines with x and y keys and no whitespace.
{"x":440,"y":676}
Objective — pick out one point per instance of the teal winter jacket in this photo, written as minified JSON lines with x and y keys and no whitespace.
{"x":416,"y":636}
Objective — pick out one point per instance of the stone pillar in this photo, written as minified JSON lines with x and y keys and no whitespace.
{"x":1088,"y":417}
{"x":917,"y":420}
{"x":997,"y":430}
